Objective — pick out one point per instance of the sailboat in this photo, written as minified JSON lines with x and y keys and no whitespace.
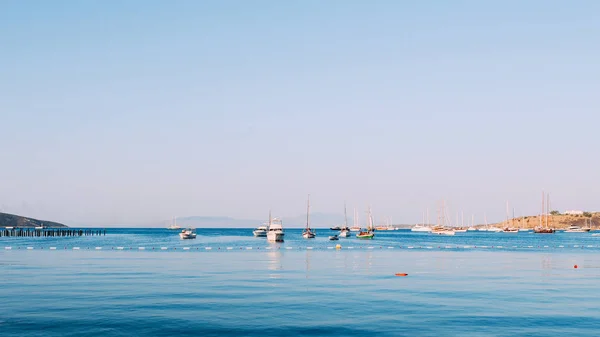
{"x":345,"y":232}
{"x":510,"y":229}
{"x":422,"y":227}
{"x":368,"y":234}
{"x":441,"y":228}
{"x":275,"y":230}
{"x":174,"y":224}
{"x":355,"y":226}
{"x":544,"y":229}
{"x":308,"y":233}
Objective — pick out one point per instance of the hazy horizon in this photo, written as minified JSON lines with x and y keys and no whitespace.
{"x":137,"y":111}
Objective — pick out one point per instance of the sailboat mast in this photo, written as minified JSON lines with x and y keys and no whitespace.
{"x":542,"y":214}
{"x":462,"y":220}
{"x":308,"y":212}
{"x":507,"y":213}
{"x":345,"y":217}
{"x":548,"y":209}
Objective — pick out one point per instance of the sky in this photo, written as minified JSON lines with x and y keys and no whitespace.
{"x":141,"y":110}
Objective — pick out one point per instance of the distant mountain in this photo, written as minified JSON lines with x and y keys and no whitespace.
{"x":11,"y":220}
{"x":317,"y":220}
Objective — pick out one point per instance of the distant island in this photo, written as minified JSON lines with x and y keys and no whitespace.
{"x":17,"y":221}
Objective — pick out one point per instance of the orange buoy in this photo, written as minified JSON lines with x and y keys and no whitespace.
{"x":401,"y":274}
{"x":575,"y":266}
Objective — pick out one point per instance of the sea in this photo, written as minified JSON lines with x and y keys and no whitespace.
{"x":149,"y":282}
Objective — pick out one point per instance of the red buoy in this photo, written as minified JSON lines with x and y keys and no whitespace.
{"x":575,"y":266}
{"x":401,"y":274}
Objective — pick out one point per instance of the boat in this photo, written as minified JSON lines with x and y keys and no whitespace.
{"x":9,"y":227}
{"x":460,"y":230}
{"x":355,"y":227}
{"x":260,"y":231}
{"x":368,"y":234}
{"x":576,"y":229}
{"x":188,"y":233}
{"x":333,"y":237}
{"x":422,"y":227}
{"x":471,"y":229}
{"x":543,"y":228}
{"x":335,"y":228}
{"x":440,"y":228}
{"x":345,"y":231}
{"x":174,"y":225}
{"x":308,"y":233}
{"x":275,"y":230}
{"x":510,"y":230}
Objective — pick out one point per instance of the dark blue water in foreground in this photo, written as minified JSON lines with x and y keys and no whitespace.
{"x":527,"y":287}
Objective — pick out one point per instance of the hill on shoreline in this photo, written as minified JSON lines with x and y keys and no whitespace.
{"x":557,"y":221}
{"x":12,"y":220}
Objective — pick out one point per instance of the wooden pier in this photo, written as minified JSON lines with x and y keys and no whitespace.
{"x":50,"y":232}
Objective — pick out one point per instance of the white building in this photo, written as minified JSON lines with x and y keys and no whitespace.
{"x":573,"y":212}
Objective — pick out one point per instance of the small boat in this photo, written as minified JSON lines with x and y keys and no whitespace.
{"x":9,"y":227}
{"x":187,"y":233}
{"x":275,"y":230}
{"x":40,"y":227}
{"x":577,"y":229}
{"x":471,"y":229}
{"x":335,"y":228}
{"x":460,"y":230}
{"x":260,"y":231}
{"x":510,"y":230}
{"x":524,"y":229}
{"x":420,"y":228}
{"x":308,"y":233}
{"x":333,"y":237}
{"x":543,"y":230}
{"x":345,"y":231}
{"x":368,"y":234}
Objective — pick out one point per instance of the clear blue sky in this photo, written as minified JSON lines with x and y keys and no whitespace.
{"x":135,"y":111}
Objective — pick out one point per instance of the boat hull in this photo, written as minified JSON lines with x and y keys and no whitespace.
{"x":260,"y":234}
{"x":275,"y":236}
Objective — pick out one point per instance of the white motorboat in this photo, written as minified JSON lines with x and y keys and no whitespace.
{"x":275,"y":230}
{"x":471,"y":229}
{"x":576,"y":229}
{"x":188,"y":233}
{"x":345,"y":232}
{"x":260,"y":231}
{"x":420,"y":228}
{"x":333,"y":237}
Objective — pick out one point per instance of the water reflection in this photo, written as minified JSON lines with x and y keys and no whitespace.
{"x":307,"y":263}
{"x":274,"y":257}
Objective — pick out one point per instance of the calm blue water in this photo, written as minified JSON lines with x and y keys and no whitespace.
{"x":526,"y":291}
